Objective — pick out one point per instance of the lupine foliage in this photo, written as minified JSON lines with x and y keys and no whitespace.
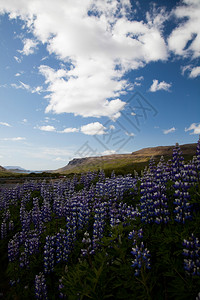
{"x":94,"y":237}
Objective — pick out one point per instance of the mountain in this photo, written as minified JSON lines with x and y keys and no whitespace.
{"x":4,"y":172}
{"x":134,"y":160}
{"x":2,"y":169}
{"x":16,"y":169}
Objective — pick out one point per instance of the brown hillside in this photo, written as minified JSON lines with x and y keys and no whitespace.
{"x":2,"y":169}
{"x":114,"y":160}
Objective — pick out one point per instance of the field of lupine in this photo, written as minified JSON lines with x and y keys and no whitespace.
{"x":92,"y":237}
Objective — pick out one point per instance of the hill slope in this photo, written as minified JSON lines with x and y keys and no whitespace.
{"x":4,"y":172}
{"x":116,"y":161}
{"x":2,"y":169}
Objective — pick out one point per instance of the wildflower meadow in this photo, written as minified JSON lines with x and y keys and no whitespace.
{"x":89,"y":236}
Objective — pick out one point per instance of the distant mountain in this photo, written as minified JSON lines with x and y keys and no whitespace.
{"x":16,"y":169}
{"x":122,"y":160}
{"x":13,"y":167}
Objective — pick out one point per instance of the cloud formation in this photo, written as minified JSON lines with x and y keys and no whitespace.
{"x":97,"y":42}
{"x":5,"y":124}
{"x":69,"y":130}
{"x":156,"y":86}
{"x":195,"y":72}
{"x":166,"y":131}
{"x":29,"y":47}
{"x":95,"y":128}
{"x":14,"y":139}
{"x":27,"y":87}
{"x":47,"y":128}
{"x":17,"y":59}
{"x":195,"y":127}
{"x":185,"y":39}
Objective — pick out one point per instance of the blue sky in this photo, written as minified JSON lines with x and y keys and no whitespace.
{"x":84,"y":78}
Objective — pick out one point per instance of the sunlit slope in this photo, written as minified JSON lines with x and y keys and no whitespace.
{"x":136,"y":160}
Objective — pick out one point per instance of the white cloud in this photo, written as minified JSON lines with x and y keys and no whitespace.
{"x":185,"y":39}
{"x":68,"y":130}
{"x":95,"y":128}
{"x":112,"y":127}
{"x":4,"y":85}
{"x":136,"y":83}
{"x":100,"y":44}
{"x":27,"y":87}
{"x":108,"y":152}
{"x":195,"y":72}
{"x":19,"y":138}
{"x":195,"y":127}
{"x":139,"y":78}
{"x":166,"y":131}
{"x":29,"y":47}
{"x":185,"y":68}
{"x":22,"y":85}
{"x":159,"y":86}
{"x":129,"y":133}
{"x":65,"y":97}
{"x":19,"y":73}
{"x":44,"y":58}
{"x":47,"y":128}
{"x":17,"y":59}
{"x":37,"y":90}
{"x":5,"y":124}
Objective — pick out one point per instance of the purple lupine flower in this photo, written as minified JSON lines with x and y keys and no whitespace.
{"x":32,"y":243}
{"x":11,"y":225}
{"x":191,"y":253}
{"x":134,"y":235}
{"x":24,"y":260}
{"x":46,"y":211}
{"x":87,"y":244}
{"x":153,"y":202}
{"x":13,"y":248}
{"x":177,"y":162}
{"x":141,"y":254}
{"x":3,"y":229}
{"x":6,"y":215}
{"x":198,"y":157}
{"x":60,"y":287}
{"x":183,"y":207}
{"x":141,"y":258}
{"x":99,"y":223}
{"x":49,"y":254}
{"x":40,"y":287}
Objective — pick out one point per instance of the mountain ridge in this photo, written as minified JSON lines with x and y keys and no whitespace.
{"x":142,"y":155}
